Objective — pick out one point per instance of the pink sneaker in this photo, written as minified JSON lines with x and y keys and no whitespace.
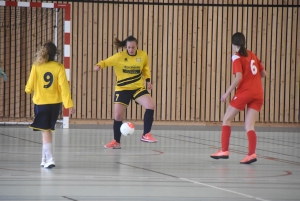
{"x":113,"y":144}
{"x":148,"y":138}
{"x":220,"y":154}
{"x":249,"y":159}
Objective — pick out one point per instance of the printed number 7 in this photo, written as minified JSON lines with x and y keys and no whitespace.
{"x":117,"y":96}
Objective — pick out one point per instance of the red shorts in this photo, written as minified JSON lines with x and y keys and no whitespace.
{"x":239,"y":101}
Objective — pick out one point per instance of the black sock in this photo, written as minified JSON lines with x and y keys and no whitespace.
{"x":148,"y":120}
{"x":117,"y":132}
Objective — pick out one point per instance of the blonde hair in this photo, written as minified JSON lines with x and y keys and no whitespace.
{"x":41,"y":56}
{"x":46,"y":53}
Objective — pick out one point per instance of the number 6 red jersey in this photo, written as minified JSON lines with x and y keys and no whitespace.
{"x":251,"y":68}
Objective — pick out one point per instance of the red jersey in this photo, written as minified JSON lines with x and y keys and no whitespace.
{"x":251,"y":68}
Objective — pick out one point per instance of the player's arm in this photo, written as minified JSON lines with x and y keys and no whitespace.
{"x":263,"y":74}
{"x":261,"y":68}
{"x":29,"y":88}
{"x":146,"y":73}
{"x":237,"y":70}
{"x":110,"y":61}
{"x":65,"y":89}
{"x":234,"y":84}
{"x":2,"y":74}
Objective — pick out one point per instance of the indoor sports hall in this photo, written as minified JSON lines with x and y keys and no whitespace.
{"x":189,"y":48}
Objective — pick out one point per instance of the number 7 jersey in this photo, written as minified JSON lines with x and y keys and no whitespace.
{"x":251,"y":68}
{"x":131,"y":70}
{"x":49,"y":83}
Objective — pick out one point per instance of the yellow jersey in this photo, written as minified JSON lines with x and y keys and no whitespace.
{"x":49,"y":83}
{"x":131,"y":71}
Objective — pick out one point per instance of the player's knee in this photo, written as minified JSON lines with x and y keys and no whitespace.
{"x":151,"y":107}
{"x":248,"y":127}
{"x":226,"y":121}
{"x":119,"y":117}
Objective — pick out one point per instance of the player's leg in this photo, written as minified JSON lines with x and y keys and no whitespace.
{"x":230,"y":113}
{"x":251,"y":117}
{"x":52,"y":111}
{"x":41,"y":123}
{"x":44,"y":160}
{"x":47,"y":149}
{"x":118,"y":120}
{"x":35,"y":125}
{"x":119,"y":110}
{"x":147,"y":102}
{"x":121,"y":101}
{"x":143,"y":98}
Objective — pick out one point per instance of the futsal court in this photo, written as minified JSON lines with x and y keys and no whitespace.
{"x":177,"y":168}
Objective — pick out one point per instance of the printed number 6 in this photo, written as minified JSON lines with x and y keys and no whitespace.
{"x":253,"y":67}
{"x":48,"y":77}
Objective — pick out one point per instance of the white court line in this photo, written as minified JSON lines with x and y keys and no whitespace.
{"x":222,"y":189}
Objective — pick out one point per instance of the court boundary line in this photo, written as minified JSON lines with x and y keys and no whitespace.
{"x":195,"y":182}
{"x":69,"y":198}
{"x":223,"y":189}
{"x":20,"y":138}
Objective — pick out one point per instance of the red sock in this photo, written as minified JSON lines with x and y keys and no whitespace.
{"x":251,"y":142}
{"x":226,"y":131}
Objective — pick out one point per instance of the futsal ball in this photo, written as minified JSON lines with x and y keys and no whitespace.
{"x":127,"y":128}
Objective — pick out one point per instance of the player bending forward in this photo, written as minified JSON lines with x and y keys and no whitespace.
{"x":131,"y":68}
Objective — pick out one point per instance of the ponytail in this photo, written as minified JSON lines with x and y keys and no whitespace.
{"x":239,"y":40}
{"x":46,"y":53}
{"x":243,"y":51}
{"x":41,"y":56}
{"x":119,"y":44}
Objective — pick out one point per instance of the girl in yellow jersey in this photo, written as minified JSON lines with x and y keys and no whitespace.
{"x":132,"y":70}
{"x":49,"y":83}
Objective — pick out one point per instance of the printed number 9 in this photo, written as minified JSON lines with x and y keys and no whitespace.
{"x":48,"y":77}
{"x":253,"y":67}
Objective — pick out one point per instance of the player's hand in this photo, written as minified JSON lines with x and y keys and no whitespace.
{"x":72,"y":110}
{"x":149,"y":86}
{"x":223,"y":97}
{"x":96,"y":67}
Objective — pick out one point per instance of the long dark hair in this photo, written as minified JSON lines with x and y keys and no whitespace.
{"x":46,"y":53}
{"x":120,"y":44}
{"x":239,"y":39}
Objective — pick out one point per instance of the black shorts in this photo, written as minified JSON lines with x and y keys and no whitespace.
{"x":45,"y":117}
{"x":124,"y":97}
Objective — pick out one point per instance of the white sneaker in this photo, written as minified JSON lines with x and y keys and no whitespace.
{"x":49,"y":164}
{"x":43,"y":162}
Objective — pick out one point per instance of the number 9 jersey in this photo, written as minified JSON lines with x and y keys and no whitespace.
{"x":49,"y":83}
{"x":251,"y":68}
